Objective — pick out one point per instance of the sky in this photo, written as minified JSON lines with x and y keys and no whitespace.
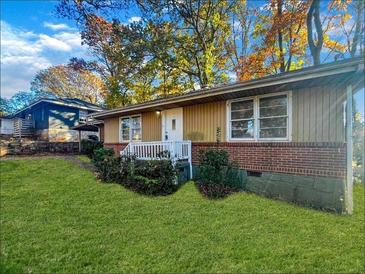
{"x":33,"y":37}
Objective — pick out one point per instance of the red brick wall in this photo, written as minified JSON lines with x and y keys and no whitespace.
{"x":117,"y":147}
{"x":312,"y":159}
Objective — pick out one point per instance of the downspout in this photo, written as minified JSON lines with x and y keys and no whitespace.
{"x":349,"y":180}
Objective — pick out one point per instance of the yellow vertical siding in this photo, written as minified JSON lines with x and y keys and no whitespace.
{"x":151,"y":126}
{"x":201,"y":121}
{"x":111,"y":130}
{"x":318,"y":114}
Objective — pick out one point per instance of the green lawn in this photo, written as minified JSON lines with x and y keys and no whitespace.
{"x":55,"y":217}
{"x":83,"y":158}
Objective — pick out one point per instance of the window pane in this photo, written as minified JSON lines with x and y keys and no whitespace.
{"x":242,"y":105}
{"x":242,"y":129}
{"x":273,"y":101}
{"x":136,"y":122}
{"x":242,"y":124}
{"x":125,"y":135}
{"x":136,"y":134}
{"x":244,"y":133}
{"x":242,"y":114}
{"x":125,"y":129}
{"x":125,"y":123}
{"x":273,"y":133}
{"x":173,"y":125}
{"x":273,"y":122}
{"x":273,"y":106}
{"x":273,"y":111}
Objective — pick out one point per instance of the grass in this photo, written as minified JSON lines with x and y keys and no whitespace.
{"x":84,"y":159}
{"x":56,"y":217}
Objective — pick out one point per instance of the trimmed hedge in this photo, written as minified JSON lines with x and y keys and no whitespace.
{"x":218,"y":177}
{"x":154,"y":177}
{"x":107,"y":166}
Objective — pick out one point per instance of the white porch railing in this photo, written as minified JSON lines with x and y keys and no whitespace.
{"x":167,"y":150}
{"x":23,"y":128}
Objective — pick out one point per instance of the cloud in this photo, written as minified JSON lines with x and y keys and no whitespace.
{"x":53,"y":43}
{"x":54,"y":26}
{"x":134,"y":19}
{"x":24,"y":53}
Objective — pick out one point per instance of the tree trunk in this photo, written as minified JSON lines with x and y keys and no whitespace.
{"x":315,"y":46}
{"x":357,"y":34}
{"x":280,"y":37}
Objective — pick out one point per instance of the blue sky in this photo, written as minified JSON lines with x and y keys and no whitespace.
{"x":33,"y":37}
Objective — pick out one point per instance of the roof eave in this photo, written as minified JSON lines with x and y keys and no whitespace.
{"x":294,"y":76}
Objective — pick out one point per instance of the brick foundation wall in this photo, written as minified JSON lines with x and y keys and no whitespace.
{"x":117,"y":147}
{"x":311,"y":159}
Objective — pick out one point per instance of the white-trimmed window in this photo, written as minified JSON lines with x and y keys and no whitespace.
{"x":273,"y":117}
{"x":242,"y":119}
{"x":264,"y":117}
{"x":130,"y":128}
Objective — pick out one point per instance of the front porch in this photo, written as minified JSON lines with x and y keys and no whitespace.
{"x":175,"y":151}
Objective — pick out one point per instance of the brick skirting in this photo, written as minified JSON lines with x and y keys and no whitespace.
{"x":312,"y":159}
{"x":117,"y":147}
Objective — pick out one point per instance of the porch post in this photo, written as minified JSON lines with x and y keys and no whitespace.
{"x":349,"y":179}
{"x":79,"y":141}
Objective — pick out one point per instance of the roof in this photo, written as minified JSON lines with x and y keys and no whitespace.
{"x":86,"y":127}
{"x":70,"y":102}
{"x":340,"y":71}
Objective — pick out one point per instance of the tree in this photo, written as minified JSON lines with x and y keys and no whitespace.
{"x":68,"y":81}
{"x":20,"y":100}
{"x":348,"y":25}
{"x":199,"y":31}
{"x":239,"y":44}
{"x":315,"y":42}
{"x":280,"y":35}
{"x":197,"y":36}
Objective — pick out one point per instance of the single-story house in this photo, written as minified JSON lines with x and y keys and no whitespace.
{"x":53,"y":119}
{"x":290,"y":133}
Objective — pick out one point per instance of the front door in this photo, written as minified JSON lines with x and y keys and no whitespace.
{"x":172,"y":124}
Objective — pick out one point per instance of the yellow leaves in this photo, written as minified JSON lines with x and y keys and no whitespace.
{"x":333,"y":45}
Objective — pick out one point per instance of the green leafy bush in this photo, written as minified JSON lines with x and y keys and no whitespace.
{"x":107,"y":165}
{"x":154,"y":177}
{"x":218,"y":177}
{"x":89,"y":146}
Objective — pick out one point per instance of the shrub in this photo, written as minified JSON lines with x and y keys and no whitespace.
{"x":218,"y":177}
{"x":107,"y":165}
{"x":154,"y":177}
{"x":89,"y":146}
